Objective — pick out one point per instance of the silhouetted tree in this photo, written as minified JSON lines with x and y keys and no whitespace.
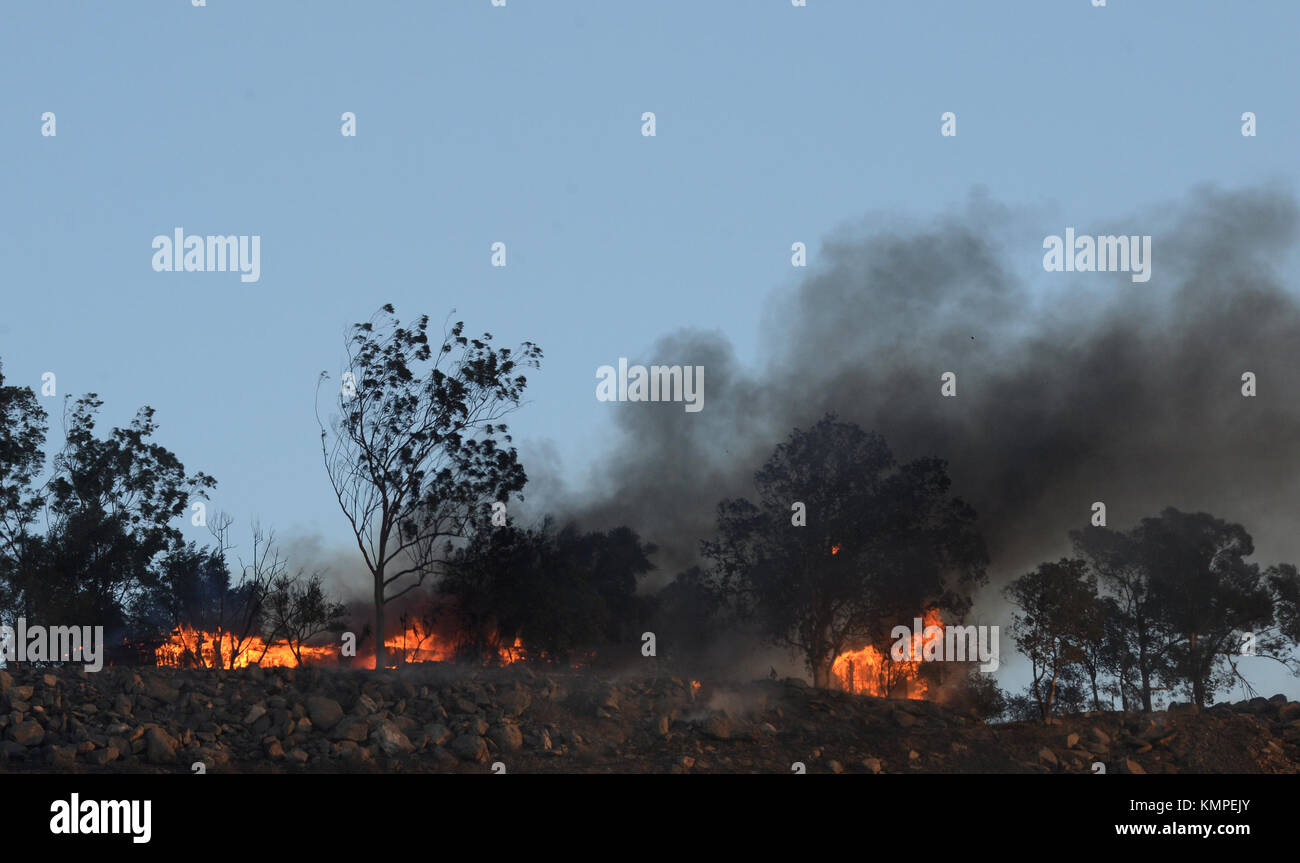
{"x":1206,"y":593}
{"x":883,"y":543}
{"x":244,"y":609}
{"x":415,"y":449}
{"x":191,"y":585}
{"x":1101,"y":647}
{"x":556,"y":590}
{"x":110,"y":504}
{"x":1116,"y":558}
{"x":1057,"y":616}
{"x":1185,"y":599}
{"x":975,"y":692}
{"x":298,"y":608}
{"x":22,"y":434}
{"x":689,"y":618}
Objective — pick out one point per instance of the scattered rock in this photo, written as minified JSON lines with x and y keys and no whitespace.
{"x":447,"y":719}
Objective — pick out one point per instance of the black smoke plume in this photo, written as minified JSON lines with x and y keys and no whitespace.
{"x":1071,"y":387}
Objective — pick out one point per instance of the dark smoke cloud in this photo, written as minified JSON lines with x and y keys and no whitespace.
{"x":1074,"y":388}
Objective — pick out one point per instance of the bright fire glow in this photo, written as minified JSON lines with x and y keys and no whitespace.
{"x":869,"y":672}
{"x":187,"y":644}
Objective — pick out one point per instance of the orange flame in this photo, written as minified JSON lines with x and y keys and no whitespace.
{"x":188,"y":647}
{"x":835,"y":549}
{"x":870,"y":672}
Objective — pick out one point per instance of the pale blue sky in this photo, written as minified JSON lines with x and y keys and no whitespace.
{"x":522,"y":124}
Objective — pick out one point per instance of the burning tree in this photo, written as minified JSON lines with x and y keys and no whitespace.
{"x":217,"y":621}
{"x":556,"y":589}
{"x":882,"y":544}
{"x":415,"y":452}
{"x":298,"y":609}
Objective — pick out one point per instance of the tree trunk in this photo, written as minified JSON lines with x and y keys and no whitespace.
{"x":1198,"y":679}
{"x":1144,"y":667}
{"x":821,"y":669}
{"x":380,"y":658}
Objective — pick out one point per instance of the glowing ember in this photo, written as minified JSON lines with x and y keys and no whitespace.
{"x":870,"y":672}
{"x":835,"y":549}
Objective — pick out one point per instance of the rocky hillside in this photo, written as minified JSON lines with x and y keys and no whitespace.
{"x":433,"y":718}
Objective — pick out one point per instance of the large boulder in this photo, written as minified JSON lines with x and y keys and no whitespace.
{"x":100,"y":757}
{"x":351,"y":728}
{"x":507,"y":737}
{"x":718,"y":727}
{"x":161,"y":690}
{"x":514,"y":701}
{"x":28,"y":733}
{"x":390,"y":739}
{"x":160,"y":747}
{"x":324,"y":712}
{"x":438,"y":733}
{"x":60,"y":757}
{"x":470,"y":747}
